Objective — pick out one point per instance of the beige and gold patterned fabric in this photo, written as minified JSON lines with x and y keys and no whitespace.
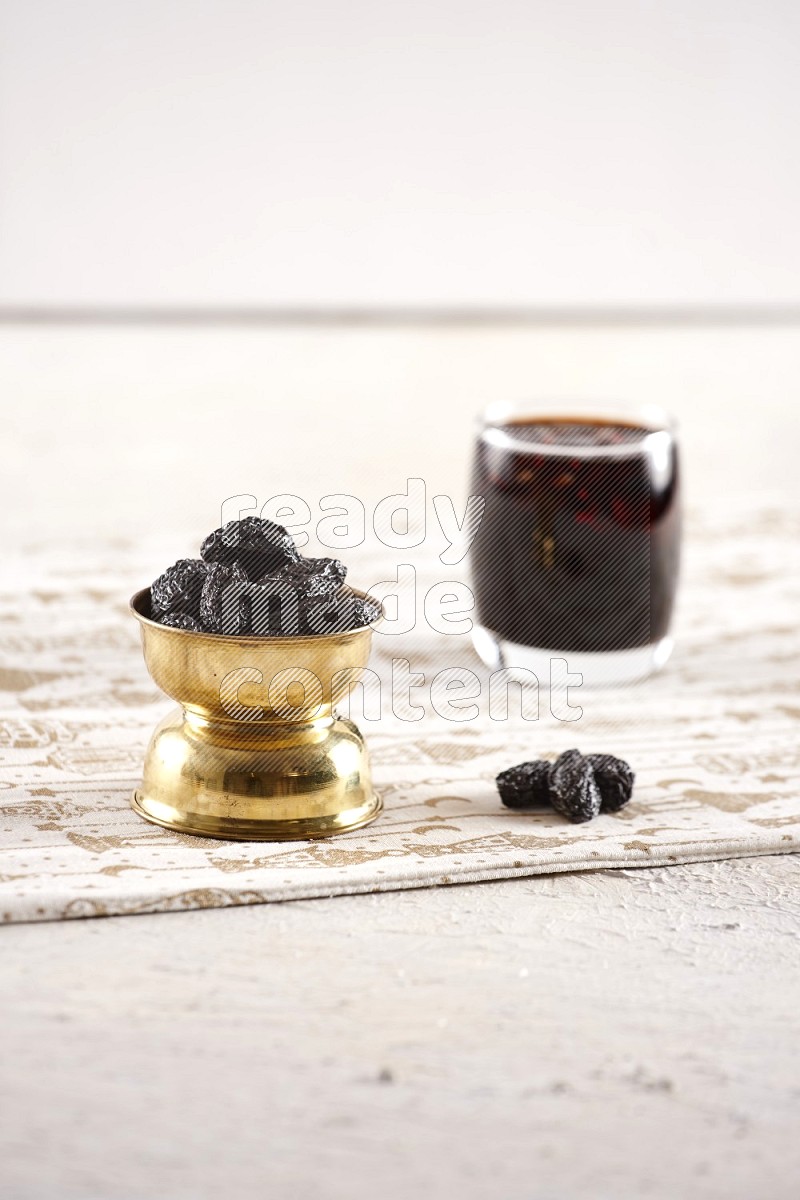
{"x":713,"y":739}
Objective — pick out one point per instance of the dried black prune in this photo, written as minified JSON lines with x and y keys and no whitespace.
{"x":573,"y":790}
{"x":312,"y":576}
{"x":366,"y":610}
{"x":216,"y":615}
{"x":251,"y":581}
{"x":181,"y":620}
{"x":178,"y":589}
{"x":327,"y":614}
{"x":257,"y":545}
{"x":273,"y":608}
{"x":338,"y":613}
{"x":526,"y":785}
{"x":614,"y":780}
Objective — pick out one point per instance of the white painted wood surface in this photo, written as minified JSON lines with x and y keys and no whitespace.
{"x":612,"y":1035}
{"x":621,"y":1034}
{"x":339,"y":151}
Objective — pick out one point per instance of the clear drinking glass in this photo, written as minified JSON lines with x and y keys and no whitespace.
{"x":577,"y":552}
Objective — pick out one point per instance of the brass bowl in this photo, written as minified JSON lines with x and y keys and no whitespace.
{"x":255,"y":751}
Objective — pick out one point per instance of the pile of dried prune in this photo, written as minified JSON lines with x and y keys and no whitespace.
{"x":576,"y":785}
{"x":251,"y":581}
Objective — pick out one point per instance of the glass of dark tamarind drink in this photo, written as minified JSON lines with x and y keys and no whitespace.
{"x":577,"y":551}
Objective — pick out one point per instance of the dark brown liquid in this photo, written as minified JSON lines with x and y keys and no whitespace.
{"x":576,"y":553}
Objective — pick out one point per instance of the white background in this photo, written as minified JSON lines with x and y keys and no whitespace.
{"x":499,"y":152}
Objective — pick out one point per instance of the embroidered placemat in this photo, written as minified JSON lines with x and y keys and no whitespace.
{"x":713,"y":740}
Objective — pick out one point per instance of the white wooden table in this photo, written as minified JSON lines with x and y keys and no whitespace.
{"x":617,"y":1034}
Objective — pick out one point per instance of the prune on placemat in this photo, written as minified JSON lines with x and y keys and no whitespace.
{"x":313,"y":576}
{"x":181,"y":620}
{"x":213,"y":612}
{"x":259,"y":546}
{"x":573,"y":790}
{"x":614,"y":780}
{"x":525,"y":786}
{"x":178,"y":589}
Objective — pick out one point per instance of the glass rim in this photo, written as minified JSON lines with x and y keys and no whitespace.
{"x":494,"y":420}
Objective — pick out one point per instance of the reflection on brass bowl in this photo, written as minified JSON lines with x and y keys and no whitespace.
{"x":255,"y":751}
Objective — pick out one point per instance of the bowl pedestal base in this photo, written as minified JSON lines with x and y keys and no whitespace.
{"x":256,"y":781}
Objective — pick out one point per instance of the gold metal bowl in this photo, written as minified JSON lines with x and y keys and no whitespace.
{"x":255,"y":751}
